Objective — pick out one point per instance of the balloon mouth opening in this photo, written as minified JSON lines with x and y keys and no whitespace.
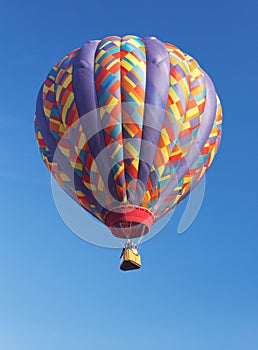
{"x":129,"y":221}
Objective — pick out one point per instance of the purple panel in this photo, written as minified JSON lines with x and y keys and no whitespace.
{"x":156,"y":94}
{"x":83,"y":78}
{"x":157,"y":71}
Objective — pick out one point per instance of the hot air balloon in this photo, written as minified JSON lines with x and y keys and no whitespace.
{"x":128,"y":127}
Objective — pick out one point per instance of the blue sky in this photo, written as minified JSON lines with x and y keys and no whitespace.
{"x":197,"y":290}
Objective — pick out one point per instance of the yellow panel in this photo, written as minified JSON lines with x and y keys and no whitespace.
{"x":126,"y":64}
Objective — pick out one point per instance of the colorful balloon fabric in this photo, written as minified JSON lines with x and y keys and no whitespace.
{"x":128,"y":126}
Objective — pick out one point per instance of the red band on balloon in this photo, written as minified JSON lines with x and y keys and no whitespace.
{"x":141,"y":218}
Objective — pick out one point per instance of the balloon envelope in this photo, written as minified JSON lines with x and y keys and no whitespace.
{"x":128,"y":126}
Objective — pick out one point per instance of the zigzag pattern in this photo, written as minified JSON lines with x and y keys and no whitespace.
{"x":108,"y":86}
{"x":133,"y":82}
{"x":198,"y":169}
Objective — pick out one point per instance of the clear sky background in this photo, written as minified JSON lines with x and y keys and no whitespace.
{"x":198,"y":290}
